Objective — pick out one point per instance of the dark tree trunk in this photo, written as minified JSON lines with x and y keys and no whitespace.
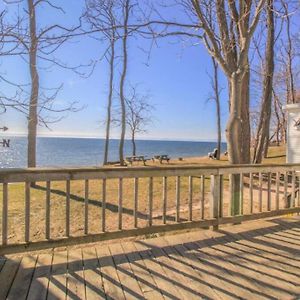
{"x":34,"y":94}
{"x":290,"y":72}
{"x":133,"y":144}
{"x":262,"y":136}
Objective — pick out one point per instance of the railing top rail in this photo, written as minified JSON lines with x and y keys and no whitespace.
{"x":48,"y":174}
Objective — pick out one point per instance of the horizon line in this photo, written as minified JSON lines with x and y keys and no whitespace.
{"x":101,"y":138}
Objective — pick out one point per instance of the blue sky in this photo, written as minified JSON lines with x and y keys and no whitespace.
{"x":176,"y":77}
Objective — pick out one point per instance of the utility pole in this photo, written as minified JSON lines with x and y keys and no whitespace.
{"x":5,"y":142}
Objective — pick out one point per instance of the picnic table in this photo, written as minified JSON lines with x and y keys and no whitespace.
{"x":161,"y":158}
{"x":136,"y":158}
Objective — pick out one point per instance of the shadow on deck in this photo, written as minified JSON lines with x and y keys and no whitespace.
{"x":253,"y":260}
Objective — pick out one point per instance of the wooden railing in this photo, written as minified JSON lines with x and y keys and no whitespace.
{"x":158,"y":199}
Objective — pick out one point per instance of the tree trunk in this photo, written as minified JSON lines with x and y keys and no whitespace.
{"x":290,"y":77}
{"x":111,"y":80}
{"x":133,"y":144}
{"x":245,"y":137}
{"x":266,"y":146}
{"x":278,"y":122}
{"x":234,"y":138}
{"x":32,"y":117}
{"x":262,"y":136}
{"x":122,"y":83}
{"x":218,"y":107}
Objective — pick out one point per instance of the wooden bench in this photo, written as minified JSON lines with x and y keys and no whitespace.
{"x":161,"y":158}
{"x":132,"y":159}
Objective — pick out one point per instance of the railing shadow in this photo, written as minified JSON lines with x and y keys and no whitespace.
{"x":109,"y":206}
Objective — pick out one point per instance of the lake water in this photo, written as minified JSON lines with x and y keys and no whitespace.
{"x":58,"y":152}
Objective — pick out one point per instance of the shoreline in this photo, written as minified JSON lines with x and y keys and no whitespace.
{"x":276,"y":155}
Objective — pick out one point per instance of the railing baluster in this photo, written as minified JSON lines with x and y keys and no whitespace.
{"x":269,"y":199}
{"x":298,"y":188}
{"x":68,"y":188}
{"x":27,"y":211}
{"x":150,"y":200}
{"x":293,"y":198}
{"x":48,"y":193}
{"x":190,"y":198}
{"x":177,"y":217}
{"x":221,"y":197}
{"x":86,"y":206}
{"x":277,"y":189}
{"x":136,"y":195}
{"x":202,"y":204}
{"x":103,"y":215}
{"x":215,"y":193}
{"x":165,"y":195}
{"x":286,"y":189}
{"x":260,"y":191}
{"x":120,"y":206}
{"x":4,"y":213}
{"x":251,"y":193}
{"x":241,"y":193}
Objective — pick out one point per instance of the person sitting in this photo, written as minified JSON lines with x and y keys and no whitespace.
{"x":214,"y":154}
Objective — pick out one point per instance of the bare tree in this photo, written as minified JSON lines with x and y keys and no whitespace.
{"x":102,"y":16}
{"x":126,"y":7}
{"x":227,"y":37}
{"x":216,"y":97}
{"x":228,"y":42}
{"x":40,"y":44}
{"x":138,"y":114}
{"x":263,"y":129}
{"x":9,"y":47}
{"x":289,"y":55}
{"x":286,"y":69}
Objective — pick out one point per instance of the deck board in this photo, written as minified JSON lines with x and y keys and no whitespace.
{"x":22,"y":281}
{"x":125,"y":273}
{"x":58,"y":280}
{"x":141,"y":273}
{"x":92,"y":274}
{"x":75,"y":278}
{"x":111,"y":282}
{"x":253,"y":260}
{"x":40,"y":281}
{"x":7,"y":275}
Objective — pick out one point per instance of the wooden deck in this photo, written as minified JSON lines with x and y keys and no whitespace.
{"x":253,"y":260}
